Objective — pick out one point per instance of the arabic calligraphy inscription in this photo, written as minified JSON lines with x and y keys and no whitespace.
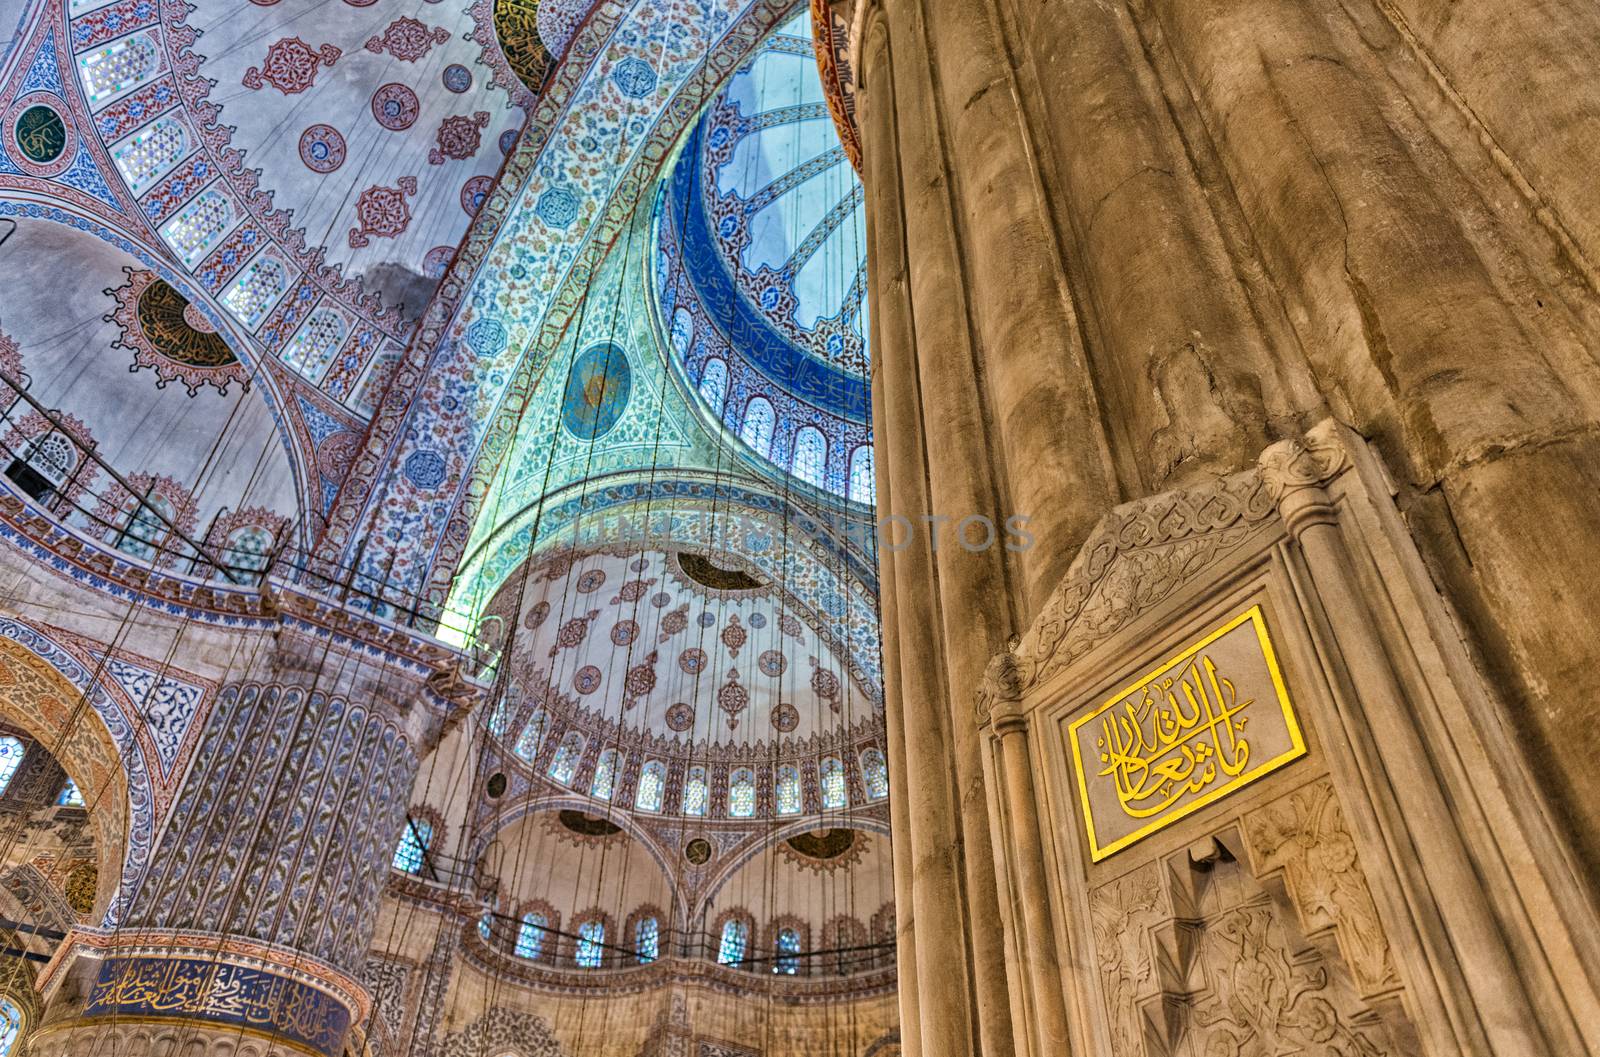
{"x":1205,"y":723}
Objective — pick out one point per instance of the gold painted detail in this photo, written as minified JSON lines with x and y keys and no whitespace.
{"x":516,"y":26}
{"x":1204,"y":724}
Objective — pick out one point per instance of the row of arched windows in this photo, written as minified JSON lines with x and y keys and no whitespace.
{"x":809,"y":457}
{"x":650,"y":791}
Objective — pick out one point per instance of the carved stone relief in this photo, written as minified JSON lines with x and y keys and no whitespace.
{"x":1197,"y":960}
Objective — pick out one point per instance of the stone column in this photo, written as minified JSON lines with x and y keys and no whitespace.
{"x":1439,"y":329}
{"x":1380,"y":727}
{"x":1042,"y":967}
{"x":250,"y":928}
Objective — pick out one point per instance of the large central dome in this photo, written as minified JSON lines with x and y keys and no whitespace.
{"x":762,"y":274}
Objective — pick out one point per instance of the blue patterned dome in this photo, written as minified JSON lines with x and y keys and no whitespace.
{"x":762,"y":277}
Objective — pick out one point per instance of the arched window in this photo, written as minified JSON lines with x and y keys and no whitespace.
{"x":315,"y":344}
{"x":742,"y":793}
{"x":245,"y":553}
{"x":788,"y":951}
{"x":414,"y":841}
{"x":70,"y":795}
{"x":500,"y":718}
{"x":532,"y":737}
{"x":565,"y":761}
{"x":863,"y":479}
{"x":759,"y":421}
{"x":605,"y":775}
{"x":735,"y":940}
{"x":147,"y":526}
{"x":696,"y":792}
{"x":198,"y":227}
{"x":151,"y":152}
{"x":810,"y":462}
{"x":11,"y":753}
{"x":530,"y":935}
{"x":834,"y":795}
{"x":486,"y":925}
{"x":652,"y":783}
{"x":591,"y":944}
{"x":682,"y":333}
{"x":131,"y":61}
{"x":11,"y":1024}
{"x":647,"y":940}
{"x":875,"y":774}
{"x":714,"y":385}
{"x":54,"y":456}
{"x":788,"y":791}
{"x":256,"y":290}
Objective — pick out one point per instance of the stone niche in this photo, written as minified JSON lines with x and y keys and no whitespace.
{"x":1252,"y":796}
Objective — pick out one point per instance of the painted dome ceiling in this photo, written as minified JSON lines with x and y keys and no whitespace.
{"x":761,"y":278}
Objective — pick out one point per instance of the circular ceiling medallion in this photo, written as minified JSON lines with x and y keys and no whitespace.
{"x":457,"y":78}
{"x":322,"y":148}
{"x":395,"y":107}
{"x":597,"y":391}
{"x":698,"y":851}
{"x":36,"y":135}
{"x":496,"y":785}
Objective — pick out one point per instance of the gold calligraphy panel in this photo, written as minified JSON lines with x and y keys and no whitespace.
{"x":1204,"y":724}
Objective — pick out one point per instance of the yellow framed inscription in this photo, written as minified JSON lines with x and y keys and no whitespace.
{"x":1206,"y":723}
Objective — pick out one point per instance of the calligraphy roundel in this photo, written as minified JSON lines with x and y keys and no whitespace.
{"x":37,"y":136}
{"x":395,"y":107}
{"x":597,"y":391}
{"x":172,"y":337}
{"x":322,"y":148}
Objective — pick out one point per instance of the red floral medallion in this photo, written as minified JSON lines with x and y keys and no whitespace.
{"x":459,"y":137}
{"x":291,"y":66}
{"x":382,"y":212}
{"x":407,"y":39}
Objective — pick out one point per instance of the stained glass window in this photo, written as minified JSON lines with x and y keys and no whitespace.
{"x":863,"y":479}
{"x":532,"y":736}
{"x":696,"y":792}
{"x":118,"y":67}
{"x":742,"y":793}
{"x":146,"y":527}
{"x":193,"y":232}
{"x":714,"y":385}
{"x":11,"y":753}
{"x":834,"y":795}
{"x":810,"y":455}
{"x":788,"y":791}
{"x":647,"y":940}
{"x":314,"y":344}
{"x":10,"y":1026}
{"x":735,"y":937}
{"x":757,"y":428}
{"x":414,"y":841}
{"x":605,"y":775}
{"x":245,"y":553}
{"x":486,"y":925}
{"x":149,"y":153}
{"x":652,"y":783}
{"x":530,"y":935}
{"x":875,"y":774}
{"x":70,"y":795}
{"x":591,"y":944}
{"x":565,"y":762}
{"x":682,"y":332}
{"x":500,"y":718}
{"x":788,"y":948}
{"x":53,"y":456}
{"x":256,"y":290}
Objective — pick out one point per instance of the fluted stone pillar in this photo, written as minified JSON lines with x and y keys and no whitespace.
{"x":250,"y":928}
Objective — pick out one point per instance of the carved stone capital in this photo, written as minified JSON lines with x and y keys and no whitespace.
{"x":1000,"y":695}
{"x":1310,"y":461}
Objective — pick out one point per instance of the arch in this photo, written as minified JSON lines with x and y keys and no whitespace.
{"x":652,"y":786}
{"x":863,"y":476}
{"x":742,"y":793}
{"x":810,"y":462}
{"x":714,"y":384}
{"x":758,"y":425}
{"x":564,"y":764}
{"x":788,"y":796}
{"x":696,"y":792}
{"x":835,"y":788}
{"x":41,"y":684}
{"x":874,"y":774}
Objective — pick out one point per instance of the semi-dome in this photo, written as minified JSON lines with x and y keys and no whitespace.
{"x":762,"y":270}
